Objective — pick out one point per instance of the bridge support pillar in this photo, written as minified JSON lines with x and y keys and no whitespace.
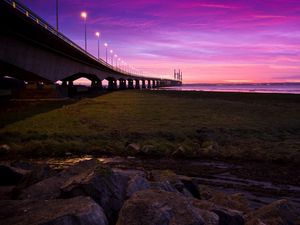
{"x":122,"y":84}
{"x":137,"y":84}
{"x":158,"y":83}
{"x":130,"y":84}
{"x":149,"y":84}
{"x":153,"y":84}
{"x":143,"y":84}
{"x":112,"y":85}
{"x":96,"y":85}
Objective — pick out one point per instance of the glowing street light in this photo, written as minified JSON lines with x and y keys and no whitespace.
{"x":105,"y":44}
{"x":84,"y":16}
{"x":112,"y":57}
{"x":98,"y":36}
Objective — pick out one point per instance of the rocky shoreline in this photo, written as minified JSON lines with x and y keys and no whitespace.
{"x":92,"y":192}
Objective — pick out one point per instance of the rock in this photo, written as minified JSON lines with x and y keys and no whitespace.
{"x":149,"y":150}
{"x":10,"y":175}
{"x":4,"y":150}
{"x":226,"y":216}
{"x":179,"y":152}
{"x":50,"y":188}
{"x":75,"y":211}
{"x":23,"y":165}
{"x":45,"y":189}
{"x":236,"y":201}
{"x":154,"y":207}
{"x":210,"y":218}
{"x":133,"y":148}
{"x":191,"y":185}
{"x":38,"y":173}
{"x":163,"y":186}
{"x":229,"y":217}
{"x":164,"y":175}
{"x":169,"y":181}
{"x":206,"y":192}
{"x":103,"y":185}
{"x":6,"y":192}
{"x":279,"y":212}
{"x":68,"y":154}
{"x":135,"y":184}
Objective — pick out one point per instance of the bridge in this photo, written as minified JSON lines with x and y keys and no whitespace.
{"x":33,"y":51}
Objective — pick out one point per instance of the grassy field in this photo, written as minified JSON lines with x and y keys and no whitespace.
{"x":163,"y":123}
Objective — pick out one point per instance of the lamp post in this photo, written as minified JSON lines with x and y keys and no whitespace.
{"x":105,"y":44}
{"x":112,"y":57}
{"x":116,"y":56}
{"x":56,"y":15}
{"x":84,"y":16}
{"x":98,"y":37}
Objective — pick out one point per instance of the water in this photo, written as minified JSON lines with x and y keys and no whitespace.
{"x":287,"y":88}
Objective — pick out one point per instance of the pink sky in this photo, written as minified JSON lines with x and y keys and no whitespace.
{"x":210,"y":41}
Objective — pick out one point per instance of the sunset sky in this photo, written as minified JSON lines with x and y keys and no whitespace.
{"x":211,"y":41}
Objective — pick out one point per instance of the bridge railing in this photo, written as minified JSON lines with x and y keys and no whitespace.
{"x":31,"y":15}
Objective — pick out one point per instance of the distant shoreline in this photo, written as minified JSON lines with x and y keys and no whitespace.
{"x":272,"y":88}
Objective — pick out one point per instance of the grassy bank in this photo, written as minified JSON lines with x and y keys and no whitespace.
{"x":191,"y":124}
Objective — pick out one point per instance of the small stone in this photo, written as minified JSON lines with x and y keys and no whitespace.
{"x":4,"y":149}
{"x":133,"y":148}
{"x":148,"y":149}
{"x":68,"y":154}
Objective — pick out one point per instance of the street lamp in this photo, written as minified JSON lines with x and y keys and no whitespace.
{"x":84,"y":16}
{"x":98,"y":36}
{"x":105,"y":44}
{"x":56,"y":15}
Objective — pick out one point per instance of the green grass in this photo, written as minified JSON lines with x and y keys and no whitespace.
{"x":189,"y":124}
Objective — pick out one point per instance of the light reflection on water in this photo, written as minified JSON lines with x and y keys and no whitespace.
{"x":283,"y":88}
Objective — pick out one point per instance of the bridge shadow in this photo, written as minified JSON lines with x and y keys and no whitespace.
{"x":12,"y":111}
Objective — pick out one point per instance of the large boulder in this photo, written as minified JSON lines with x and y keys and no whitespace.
{"x":37,"y":174}
{"x":105,"y":186}
{"x":50,"y":188}
{"x":226,"y":216}
{"x":156,"y":207}
{"x":280,"y":212}
{"x":237,"y":201}
{"x":6,"y":192}
{"x":10,"y":175}
{"x":167,"y":180}
{"x":75,"y":211}
{"x":135,"y":184}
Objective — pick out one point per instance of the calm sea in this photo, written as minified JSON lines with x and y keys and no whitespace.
{"x":288,"y":88}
